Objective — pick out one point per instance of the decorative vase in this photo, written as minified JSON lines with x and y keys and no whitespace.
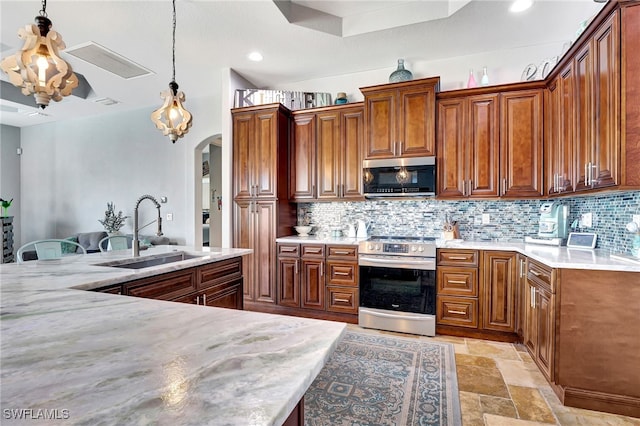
{"x":472,"y":80}
{"x":400,"y":74}
{"x":485,"y":78}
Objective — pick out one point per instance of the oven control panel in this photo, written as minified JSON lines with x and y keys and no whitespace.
{"x":399,"y":249}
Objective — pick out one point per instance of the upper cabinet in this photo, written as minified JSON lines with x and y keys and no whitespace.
{"x":325,"y":154}
{"x":400,"y":119}
{"x":490,"y":142}
{"x":597,"y":101}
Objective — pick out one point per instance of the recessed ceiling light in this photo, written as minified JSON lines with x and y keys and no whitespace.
{"x":255,"y":56}
{"x":520,"y":5}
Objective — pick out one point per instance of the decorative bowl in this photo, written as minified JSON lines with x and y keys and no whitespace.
{"x":303,"y":231}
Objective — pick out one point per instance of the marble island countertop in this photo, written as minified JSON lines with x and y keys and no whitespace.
{"x":94,"y":358}
{"x":553,"y":256}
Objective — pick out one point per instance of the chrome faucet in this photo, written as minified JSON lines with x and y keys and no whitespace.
{"x":136,"y":242}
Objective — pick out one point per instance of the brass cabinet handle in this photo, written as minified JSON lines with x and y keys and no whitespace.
{"x":314,"y":250}
{"x":594,"y":167}
{"x":533,"y":297}
{"x":340,"y":300}
{"x":345,"y":274}
{"x":456,"y":282}
{"x":457,"y":312}
{"x":341,"y":252}
{"x":204,"y":299}
{"x":457,"y":258}
{"x":537,"y":274}
{"x":504,"y":186}
{"x":197,"y":300}
{"x":470,"y":187}
{"x":521,"y":268}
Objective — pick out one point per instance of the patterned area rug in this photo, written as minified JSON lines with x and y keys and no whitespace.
{"x":374,"y":379}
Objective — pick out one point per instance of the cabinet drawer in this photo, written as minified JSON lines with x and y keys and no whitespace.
{"x":114,"y":289}
{"x":458,"y":257}
{"x":542,"y":275}
{"x":457,"y":281}
{"x":342,"y":299}
{"x":288,"y":250}
{"x":225,"y":270}
{"x":342,"y":273}
{"x":458,"y":311}
{"x":350,"y":252}
{"x":312,"y":250}
{"x":164,"y":287}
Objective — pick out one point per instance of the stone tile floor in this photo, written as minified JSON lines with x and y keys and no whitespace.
{"x":500,"y":385}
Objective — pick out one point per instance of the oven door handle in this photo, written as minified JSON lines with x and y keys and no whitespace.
{"x":424,"y":265}
{"x":385,"y":315}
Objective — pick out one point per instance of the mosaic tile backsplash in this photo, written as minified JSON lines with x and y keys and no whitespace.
{"x":508,"y":220}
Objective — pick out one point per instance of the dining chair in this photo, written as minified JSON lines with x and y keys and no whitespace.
{"x":113,"y":242}
{"x":51,"y":248}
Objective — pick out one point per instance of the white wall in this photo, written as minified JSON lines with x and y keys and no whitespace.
{"x":10,"y":175}
{"x":503,"y":66}
{"x":72,"y":168}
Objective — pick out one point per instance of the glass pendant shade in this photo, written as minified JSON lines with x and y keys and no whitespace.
{"x":171,"y":118}
{"x":38,"y":68}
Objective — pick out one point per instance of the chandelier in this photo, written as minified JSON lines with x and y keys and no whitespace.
{"x":37,"y":68}
{"x":171,"y":118}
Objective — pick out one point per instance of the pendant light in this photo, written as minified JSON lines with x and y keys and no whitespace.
{"x":37,"y":68}
{"x":171,"y":118}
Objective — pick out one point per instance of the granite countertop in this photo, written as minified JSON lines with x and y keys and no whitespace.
{"x":555,"y":257}
{"x":96,"y":358}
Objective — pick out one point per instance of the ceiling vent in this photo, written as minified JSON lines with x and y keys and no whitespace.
{"x":106,"y":101}
{"x":108,"y":60}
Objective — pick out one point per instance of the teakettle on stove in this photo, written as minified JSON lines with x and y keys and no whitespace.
{"x":554,"y":218}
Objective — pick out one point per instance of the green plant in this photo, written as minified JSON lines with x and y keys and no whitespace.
{"x":5,"y":205}
{"x":112,"y":222}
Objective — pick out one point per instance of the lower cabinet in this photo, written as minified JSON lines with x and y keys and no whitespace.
{"x":216,"y":284}
{"x":476,"y":293}
{"x":539,"y":316}
{"x":317,"y":278}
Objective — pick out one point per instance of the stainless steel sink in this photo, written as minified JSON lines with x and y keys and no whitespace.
{"x":148,"y":261}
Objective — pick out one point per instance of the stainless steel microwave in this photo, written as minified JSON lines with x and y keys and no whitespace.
{"x":399,"y":177}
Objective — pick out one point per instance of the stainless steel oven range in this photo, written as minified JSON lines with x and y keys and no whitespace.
{"x":398,"y":284}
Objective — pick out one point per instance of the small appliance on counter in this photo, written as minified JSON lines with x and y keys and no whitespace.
{"x":553,"y":227}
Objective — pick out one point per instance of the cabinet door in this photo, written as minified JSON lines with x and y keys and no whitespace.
{"x":521,"y":289}
{"x":452,"y":148}
{"x":606,"y":144}
{"x":380,"y":116}
{"x":265,"y":154}
{"x":530,"y":324}
{"x":484,"y":145}
{"x":352,"y":130}
{"x":243,"y":237}
{"x":329,"y":155}
{"x":302,"y":155}
{"x":562,"y":149}
{"x":521,"y":141}
{"x":264,"y":250}
{"x":416,"y":122}
{"x":499,"y":282}
{"x":584,"y":115}
{"x":546,"y":333}
{"x":313,"y":284}
{"x":243,"y":136}
{"x":288,"y":282}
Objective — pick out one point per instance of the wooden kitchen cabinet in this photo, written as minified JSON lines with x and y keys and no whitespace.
{"x":539,"y":316}
{"x":457,"y":288}
{"x":521,"y":143}
{"x":342,"y":279}
{"x":261,"y":211}
{"x":326,"y":154}
{"x":400,"y":119}
{"x":469,"y":146}
{"x":597,"y":102}
{"x":490,"y":142}
{"x":313,"y":285}
{"x":302,"y":151}
{"x":560,"y":122}
{"x":325,"y":280}
{"x":499,"y":282}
